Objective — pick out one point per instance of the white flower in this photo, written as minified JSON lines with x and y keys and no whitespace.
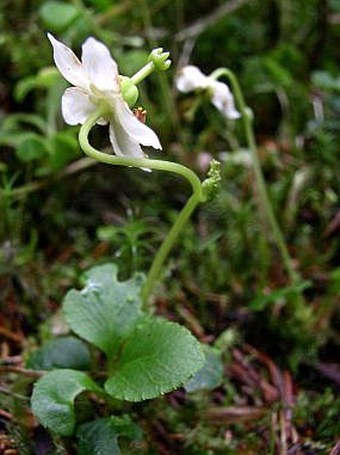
{"x":96,"y":82}
{"x":191,"y":78}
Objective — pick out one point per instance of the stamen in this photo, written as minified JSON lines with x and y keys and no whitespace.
{"x":140,"y":113}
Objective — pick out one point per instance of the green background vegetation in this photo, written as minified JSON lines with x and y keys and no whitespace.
{"x":61,"y":214}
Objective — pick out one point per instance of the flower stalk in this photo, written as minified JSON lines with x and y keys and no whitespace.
{"x":266,"y":205}
{"x":101,"y":95}
{"x":199,"y":195}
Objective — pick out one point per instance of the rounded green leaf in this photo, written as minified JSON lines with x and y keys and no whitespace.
{"x":53,"y":399}
{"x":63,"y":352}
{"x":57,"y":15}
{"x":210,"y":376}
{"x":100,"y":437}
{"x":97,"y":438}
{"x":105,"y":310}
{"x":157,"y":357}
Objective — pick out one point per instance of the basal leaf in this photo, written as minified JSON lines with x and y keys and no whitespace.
{"x":157,"y":357}
{"x":105,"y":310}
{"x":209,"y":377}
{"x":100,"y":437}
{"x":53,"y":398}
{"x":63,"y":352}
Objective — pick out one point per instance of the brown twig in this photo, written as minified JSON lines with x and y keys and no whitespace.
{"x":10,"y":335}
{"x":336,"y":449}
{"x":6,"y":414}
{"x":235,"y":414}
{"x":202,"y":24}
{"x":13,"y":394}
{"x":13,"y":360}
{"x":23,"y":371}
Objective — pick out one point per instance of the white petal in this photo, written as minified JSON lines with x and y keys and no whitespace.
{"x":137,"y":130}
{"x":76,"y":106}
{"x":191,"y":78}
{"x":99,"y":66}
{"x":123,"y":144}
{"x":68,"y":63}
{"x":223,"y":100}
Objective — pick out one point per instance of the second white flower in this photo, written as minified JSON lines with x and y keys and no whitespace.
{"x":191,"y":78}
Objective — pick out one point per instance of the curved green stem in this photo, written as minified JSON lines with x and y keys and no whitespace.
{"x":261,"y":185}
{"x":133,"y":162}
{"x":167,"y":244}
{"x":168,"y":166}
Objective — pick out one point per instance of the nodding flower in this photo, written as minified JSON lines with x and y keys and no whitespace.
{"x":97,"y":84}
{"x":191,"y":78}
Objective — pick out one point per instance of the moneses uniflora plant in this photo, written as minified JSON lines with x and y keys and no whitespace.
{"x":146,"y":356}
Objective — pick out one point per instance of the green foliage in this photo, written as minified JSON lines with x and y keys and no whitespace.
{"x":105,"y":311}
{"x":58,"y":15}
{"x":64,"y":352}
{"x":53,"y":398}
{"x":44,"y":79}
{"x":320,"y":411}
{"x":262,"y":301}
{"x":108,"y":314}
{"x":100,"y":437}
{"x":325,"y":81}
{"x":34,"y":138}
{"x":31,"y":148}
{"x":225,"y":271}
{"x":334,"y":284}
{"x":130,"y":242}
{"x":146,"y":356}
{"x":210,"y":376}
{"x":157,"y":357}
